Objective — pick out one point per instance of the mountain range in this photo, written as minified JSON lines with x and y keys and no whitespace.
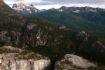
{"x":77,"y":18}
{"x":50,"y":39}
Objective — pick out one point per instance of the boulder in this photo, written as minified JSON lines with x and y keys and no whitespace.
{"x":74,"y":62}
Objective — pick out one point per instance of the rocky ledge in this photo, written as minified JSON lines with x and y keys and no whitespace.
{"x":18,"y":61}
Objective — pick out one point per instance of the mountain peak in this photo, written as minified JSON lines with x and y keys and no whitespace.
{"x":22,"y":7}
{"x":19,"y":5}
{"x":1,"y":2}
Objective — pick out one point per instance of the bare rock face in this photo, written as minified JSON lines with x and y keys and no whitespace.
{"x":10,"y":62}
{"x":82,"y":35}
{"x":1,"y":2}
{"x":74,"y":62}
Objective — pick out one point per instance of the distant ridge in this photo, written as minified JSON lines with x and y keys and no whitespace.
{"x":77,"y":18}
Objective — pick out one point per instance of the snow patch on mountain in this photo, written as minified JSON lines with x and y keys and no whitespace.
{"x":76,"y":11}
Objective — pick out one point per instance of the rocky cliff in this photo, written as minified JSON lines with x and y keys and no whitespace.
{"x":48,"y":39}
{"x":10,"y":62}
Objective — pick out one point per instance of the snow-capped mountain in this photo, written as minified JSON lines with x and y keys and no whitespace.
{"x":77,"y":9}
{"x":24,"y":9}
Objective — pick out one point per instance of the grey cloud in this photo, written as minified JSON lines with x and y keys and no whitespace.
{"x":43,"y":3}
{"x":76,"y":1}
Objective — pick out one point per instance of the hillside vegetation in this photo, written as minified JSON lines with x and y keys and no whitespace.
{"x":77,"y":18}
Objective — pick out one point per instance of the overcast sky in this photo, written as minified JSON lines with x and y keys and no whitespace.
{"x":46,"y":4}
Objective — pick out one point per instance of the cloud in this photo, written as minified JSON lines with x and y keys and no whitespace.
{"x":76,"y":1}
{"x":42,"y":4}
{"x":80,"y":3}
{"x":49,"y":2}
